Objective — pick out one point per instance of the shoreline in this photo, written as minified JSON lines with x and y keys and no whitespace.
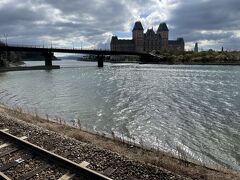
{"x":160,"y":63}
{"x":27,"y":68}
{"x":192,"y":64}
{"x":32,"y":68}
{"x":132,"y":151}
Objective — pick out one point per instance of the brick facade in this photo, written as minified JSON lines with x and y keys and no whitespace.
{"x":149,"y":41}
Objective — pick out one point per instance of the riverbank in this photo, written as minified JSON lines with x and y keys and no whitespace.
{"x":23,"y":68}
{"x":203,"y":58}
{"x":151,"y":160}
{"x":194,"y":64}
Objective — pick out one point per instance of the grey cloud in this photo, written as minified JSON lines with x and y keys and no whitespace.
{"x":207,"y":15}
{"x":190,"y":17}
{"x":96,"y":13}
{"x":10,"y":14}
{"x":92,"y":19}
{"x":198,"y":36}
{"x":77,"y":18}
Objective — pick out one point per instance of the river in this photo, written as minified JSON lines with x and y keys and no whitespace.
{"x":194,"y":108}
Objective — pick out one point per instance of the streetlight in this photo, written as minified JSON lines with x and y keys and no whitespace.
{"x":6,"y":36}
{"x":73,"y":44}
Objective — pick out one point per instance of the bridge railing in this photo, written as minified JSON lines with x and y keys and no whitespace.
{"x":72,"y":50}
{"x":47,"y":46}
{"x":24,"y":45}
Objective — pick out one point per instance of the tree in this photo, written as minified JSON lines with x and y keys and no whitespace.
{"x":7,"y":58}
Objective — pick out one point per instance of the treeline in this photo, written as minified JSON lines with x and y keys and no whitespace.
{"x":205,"y":57}
{"x":8,"y":59}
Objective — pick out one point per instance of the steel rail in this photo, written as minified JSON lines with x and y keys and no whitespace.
{"x":66,"y":163}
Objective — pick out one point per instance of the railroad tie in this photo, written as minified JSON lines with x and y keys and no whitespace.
{"x":14,"y":163}
{"x":3,"y":176}
{"x":8,"y":144}
{"x":132,"y":178}
{"x":109,"y":171}
{"x":5,"y":130}
{"x":32,"y":173}
{"x":4,"y":153}
{"x":69,"y":176}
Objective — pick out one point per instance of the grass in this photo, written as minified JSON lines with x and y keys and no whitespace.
{"x":179,"y":165}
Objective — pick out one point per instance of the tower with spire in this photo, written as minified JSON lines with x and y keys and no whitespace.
{"x":163,"y":31}
{"x":138,"y":36}
{"x":196,"y":47}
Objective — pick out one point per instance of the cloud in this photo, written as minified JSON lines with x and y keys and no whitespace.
{"x":207,"y":20}
{"x":208,"y":15}
{"x":62,"y":20}
{"x":92,"y":22}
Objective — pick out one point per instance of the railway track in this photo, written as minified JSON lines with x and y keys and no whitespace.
{"x":18,"y":153}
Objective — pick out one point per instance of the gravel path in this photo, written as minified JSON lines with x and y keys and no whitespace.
{"x":77,"y":151}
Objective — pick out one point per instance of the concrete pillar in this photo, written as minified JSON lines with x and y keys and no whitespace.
{"x":1,"y":59}
{"x":48,"y":56}
{"x":8,"y":56}
{"x":143,"y":58}
{"x":146,"y":58}
{"x":100,"y":60}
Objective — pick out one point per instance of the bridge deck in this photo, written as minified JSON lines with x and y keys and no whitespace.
{"x":76,"y":51}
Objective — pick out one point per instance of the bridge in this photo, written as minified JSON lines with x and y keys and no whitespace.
{"x":48,"y":53}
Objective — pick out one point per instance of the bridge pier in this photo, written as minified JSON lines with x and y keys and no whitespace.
{"x":146,"y":58}
{"x":48,"y":56}
{"x":1,"y":59}
{"x":100,"y":60}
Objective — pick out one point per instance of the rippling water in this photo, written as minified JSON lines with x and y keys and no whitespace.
{"x":195,"y":108}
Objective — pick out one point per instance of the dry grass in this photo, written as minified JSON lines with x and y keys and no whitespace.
{"x":179,"y":164}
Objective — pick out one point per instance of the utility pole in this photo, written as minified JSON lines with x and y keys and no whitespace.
{"x":6,"y":36}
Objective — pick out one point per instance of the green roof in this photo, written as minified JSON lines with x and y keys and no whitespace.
{"x":138,"y":26}
{"x":162,"y":27}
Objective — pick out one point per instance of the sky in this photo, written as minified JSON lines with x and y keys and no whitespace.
{"x":91,"y":23}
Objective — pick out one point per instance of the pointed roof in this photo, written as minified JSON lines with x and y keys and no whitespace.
{"x":150,"y":31}
{"x":138,"y":26}
{"x":180,"y":39}
{"x":162,"y":27}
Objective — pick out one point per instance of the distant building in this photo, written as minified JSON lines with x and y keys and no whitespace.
{"x":149,"y":41}
{"x":196,"y":47}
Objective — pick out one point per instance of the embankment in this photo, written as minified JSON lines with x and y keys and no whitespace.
{"x":152,"y":163}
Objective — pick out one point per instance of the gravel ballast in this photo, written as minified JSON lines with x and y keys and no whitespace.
{"x":77,"y":151}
